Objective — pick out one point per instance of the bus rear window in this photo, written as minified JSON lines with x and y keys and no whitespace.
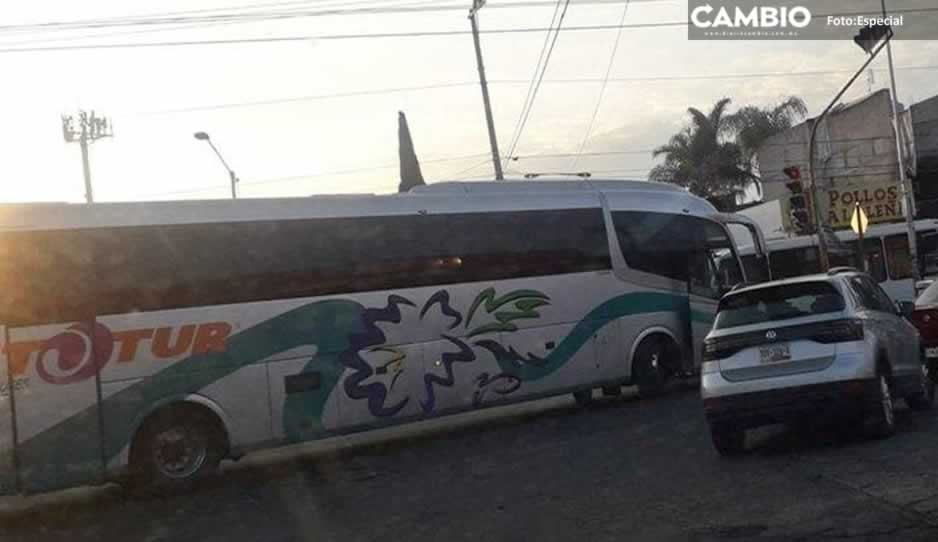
{"x":778,"y":303}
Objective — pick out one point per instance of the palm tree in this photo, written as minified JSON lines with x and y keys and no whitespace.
{"x":753,"y":125}
{"x":701,"y":159}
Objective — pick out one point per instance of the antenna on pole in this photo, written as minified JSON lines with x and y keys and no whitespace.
{"x":85,"y":128}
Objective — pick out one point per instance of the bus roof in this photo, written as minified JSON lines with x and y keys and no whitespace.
{"x":546,"y":185}
{"x":457,"y":197}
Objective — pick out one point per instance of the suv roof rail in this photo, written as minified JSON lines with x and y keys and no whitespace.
{"x":842,"y":269}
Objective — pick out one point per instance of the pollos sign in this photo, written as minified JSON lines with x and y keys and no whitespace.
{"x":881,"y":203}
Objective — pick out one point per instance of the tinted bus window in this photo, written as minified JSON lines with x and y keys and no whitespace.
{"x":46,"y":277}
{"x":927,"y":246}
{"x":175,"y":266}
{"x":794,"y":262}
{"x":875,"y":264}
{"x":678,"y":247}
{"x":898,"y":259}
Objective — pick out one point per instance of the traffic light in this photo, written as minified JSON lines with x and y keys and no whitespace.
{"x":870,"y":35}
{"x":797,"y":202}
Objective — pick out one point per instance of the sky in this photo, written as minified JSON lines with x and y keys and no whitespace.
{"x":319,"y":115}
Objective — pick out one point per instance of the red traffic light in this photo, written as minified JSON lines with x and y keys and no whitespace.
{"x":793,"y":173}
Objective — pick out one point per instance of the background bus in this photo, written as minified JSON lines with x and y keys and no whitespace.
{"x":885,"y":247}
{"x":167,"y":336}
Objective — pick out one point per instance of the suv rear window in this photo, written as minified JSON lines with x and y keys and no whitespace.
{"x":778,"y":303}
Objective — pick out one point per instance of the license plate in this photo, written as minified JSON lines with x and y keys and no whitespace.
{"x":931,"y":352}
{"x":774,"y":353}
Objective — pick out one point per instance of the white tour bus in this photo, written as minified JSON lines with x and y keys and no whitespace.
{"x":885,"y":247}
{"x":156,"y":339}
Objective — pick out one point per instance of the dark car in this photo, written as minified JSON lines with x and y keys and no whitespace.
{"x":925,"y":318}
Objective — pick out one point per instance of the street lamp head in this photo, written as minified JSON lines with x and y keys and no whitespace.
{"x":201,"y":136}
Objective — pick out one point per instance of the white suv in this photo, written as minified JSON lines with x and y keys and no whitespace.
{"x":805,"y":347}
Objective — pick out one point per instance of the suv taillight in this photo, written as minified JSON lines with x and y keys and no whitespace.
{"x":838,"y":331}
{"x":835,"y":331}
{"x":722,"y":347}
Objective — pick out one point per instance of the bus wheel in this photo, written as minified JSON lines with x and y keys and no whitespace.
{"x":177,"y":446}
{"x":651,"y":365}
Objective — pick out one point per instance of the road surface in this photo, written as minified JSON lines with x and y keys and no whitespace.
{"x":627,"y":469}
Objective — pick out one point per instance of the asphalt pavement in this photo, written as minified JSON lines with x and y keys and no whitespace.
{"x":626,"y":469}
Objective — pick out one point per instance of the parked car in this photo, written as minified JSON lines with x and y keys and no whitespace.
{"x":825,"y":344}
{"x":925,"y":318}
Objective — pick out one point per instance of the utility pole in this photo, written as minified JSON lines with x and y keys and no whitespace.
{"x":473,"y":19}
{"x":90,"y":128}
{"x":908,"y":195}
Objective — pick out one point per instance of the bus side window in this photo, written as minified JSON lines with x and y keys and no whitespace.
{"x":756,"y":267}
{"x":927,"y":247}
{"x":794,"y":262}
{"x":655,"y":242}
{"x":897,"y":256}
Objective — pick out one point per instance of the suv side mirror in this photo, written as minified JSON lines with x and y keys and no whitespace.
{"x":905,"y":308}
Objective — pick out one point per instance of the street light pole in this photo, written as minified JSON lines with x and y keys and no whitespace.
{"x":493,"y":142}
{"x":908,"y":195}
{"x":202,"y":136}
{"x":815,"y":203}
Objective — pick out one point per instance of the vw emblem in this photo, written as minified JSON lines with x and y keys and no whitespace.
{"x":770,"y":335}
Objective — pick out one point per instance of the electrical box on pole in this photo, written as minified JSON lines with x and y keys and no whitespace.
{"x":83,"y":129}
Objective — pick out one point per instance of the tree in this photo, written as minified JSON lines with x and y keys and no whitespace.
{"x":701,"y":159}
{"x":752,"y":125}
{"x":716,"y":154}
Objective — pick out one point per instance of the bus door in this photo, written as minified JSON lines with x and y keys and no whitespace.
{"x":7,"y":458}
{"x":712,"y":271}
{"x":746,"y":234}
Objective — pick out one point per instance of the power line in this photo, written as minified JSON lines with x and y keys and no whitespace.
{"x":537,"y":69}
{"x":276,"y":180}
{"x":278,"y":101}
{"x":325,"y":37}
{"x":381,"y":35}
{"x":225,"y":15}
{"x":537,"y":86}
{"x":602,"y":89}
{"x":255,"y":16}
{"x":456,"y":175}
{"x":369,"y":92}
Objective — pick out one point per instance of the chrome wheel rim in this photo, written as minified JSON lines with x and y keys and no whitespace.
{"x":179,"y":452}
{"x":886,"y":399}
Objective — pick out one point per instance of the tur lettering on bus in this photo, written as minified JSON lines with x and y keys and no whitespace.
{"x":164,"y":343}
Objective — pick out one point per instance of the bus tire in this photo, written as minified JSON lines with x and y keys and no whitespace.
{"x":650,"y":365}
{"x":176,"y":447}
